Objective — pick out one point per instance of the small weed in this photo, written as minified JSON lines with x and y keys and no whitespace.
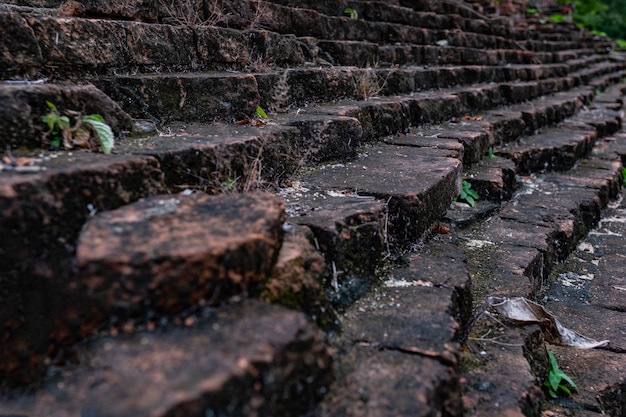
{"x":229,"y":185}
{"x":90,"y":131}
{"x":368,"y":83}
{"x":468,"y":194}
{"x":557,"y":382}
{"x":532,"y":11}
{"x":351,"y":12}
{"x":260,"y":112}
{"x":194,"y":12}
{"x":624,"y":176}
{"x":558,"y":18}
{"x":490,"y":153}
{"x":621,"y":44}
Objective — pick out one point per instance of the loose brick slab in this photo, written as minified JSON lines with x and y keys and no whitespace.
{"x":171,"y":251}
{"x":418,"y":184}
{"x":249,"y":359}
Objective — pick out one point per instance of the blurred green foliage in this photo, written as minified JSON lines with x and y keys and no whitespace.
{"x":603,"y":17}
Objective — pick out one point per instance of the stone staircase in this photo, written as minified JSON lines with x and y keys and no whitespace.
{"x":315,"y":262}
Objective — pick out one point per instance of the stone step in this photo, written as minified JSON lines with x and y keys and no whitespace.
{"x":24,"y":105}
{"x":412,"y":207}
{"x":65,"y":42}
{"x":202,"y":47}
{"x":400,"y":344}
{"x":245,"y":359}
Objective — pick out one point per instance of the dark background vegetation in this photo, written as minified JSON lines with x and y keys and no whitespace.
{"x":606,"y":17}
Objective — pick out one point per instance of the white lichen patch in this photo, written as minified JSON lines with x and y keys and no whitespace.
{"x":401,"y":283}
{"x":476,"y":243}
{"x":572,"y":279}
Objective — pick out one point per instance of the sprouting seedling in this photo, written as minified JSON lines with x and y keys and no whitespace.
{"x":490,"y":153}
{"x":468,"y":194}
{"x":557,"y":382}
{"x":260,"y":112}
{"x":57,"y":124}
{"x":624,"y":176}
{"x":351,"y":12}
{"x":81,"y":134}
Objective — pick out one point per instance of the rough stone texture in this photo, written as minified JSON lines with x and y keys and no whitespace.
{"x":247,"y":360}
{"x":20,"y":54}
{"x":462,"y":80}
{"x":403,"y":176}
{"x":392,"y":382}
{"x":325,"y":139}
{"x":554,"y":150}
{"x":298,"y":278}
{"x":169,"y":252}
{"x":350,"y":232}
{"x":400,"y":331}
{"x":42,"y":214}
{"x":185,"y":97}
{"x":494,"y":179}
{"x":495,"y":389}
{"x":145,"y":10}
{"x":25,"y":105}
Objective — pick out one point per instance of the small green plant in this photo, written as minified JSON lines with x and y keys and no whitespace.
{"x":624,"y":176}
{"x":90,"y":131}
{"x":468,"y":194}
{"x":490,"y":153}
{"x":558,"y":18}
{"x":260,"y":112}
{"x":621,"y":44}
{"x":229,"y":185}
{"x":557,"y":382}
{"x":532,"y":11}
{"x":57,"y":124}
{"x":351,"y":12}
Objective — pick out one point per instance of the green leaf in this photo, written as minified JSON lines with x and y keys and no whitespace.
{"x":470,"y":200}
{"x":56,"y":142}
{"x":353,"y":13}
{"x":64,"y":122}
{"x":260,"y":112}
{"x":103,"y":133}
{"x":472,"y":193}
{"x":554,"y":379}
{"x":51,"y":106}
{"x":568,"y":380}
{"x":95,"y":117}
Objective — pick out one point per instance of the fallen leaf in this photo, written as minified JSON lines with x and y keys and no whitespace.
{"x":473,"y":118}
{"x":524,"y":310}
